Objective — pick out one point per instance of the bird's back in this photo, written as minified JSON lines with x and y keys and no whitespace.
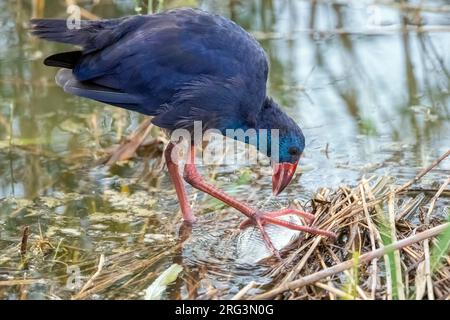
{"x":181,"y":65}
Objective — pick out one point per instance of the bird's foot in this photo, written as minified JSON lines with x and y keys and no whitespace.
{"x":261,"y":219}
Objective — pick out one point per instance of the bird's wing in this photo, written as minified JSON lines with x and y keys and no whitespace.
{"x":155,"y":57}
{"x":214,"y":102}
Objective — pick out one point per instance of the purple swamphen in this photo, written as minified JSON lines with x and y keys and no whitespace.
{"x":182,"y":66}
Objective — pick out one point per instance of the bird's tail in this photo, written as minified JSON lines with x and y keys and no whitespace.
{"x":57,"y":30}
{"x":91,"y":35}
{"x":66,"y":60}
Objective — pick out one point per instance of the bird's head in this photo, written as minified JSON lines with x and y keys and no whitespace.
{"x":290,"y":144}
{"x":291,"y":147}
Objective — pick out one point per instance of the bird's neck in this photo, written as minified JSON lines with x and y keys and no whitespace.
{"x":262,"y":130}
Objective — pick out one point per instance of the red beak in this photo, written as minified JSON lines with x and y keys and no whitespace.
{"x":282,"y":176}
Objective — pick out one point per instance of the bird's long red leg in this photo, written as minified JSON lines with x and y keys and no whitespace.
{"x":193,"y":177}
{"x":171,"y":156}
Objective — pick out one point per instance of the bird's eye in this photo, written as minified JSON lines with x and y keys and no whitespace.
{"x":293,"y":151}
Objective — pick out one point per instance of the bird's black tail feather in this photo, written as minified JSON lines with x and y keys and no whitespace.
{"x":66,"y":60}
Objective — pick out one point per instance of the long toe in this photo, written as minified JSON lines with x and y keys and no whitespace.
{"x":284,"y":212}
{"x":297,"y":227}
{"x":279,"y":213}
{"x":266,"y":239}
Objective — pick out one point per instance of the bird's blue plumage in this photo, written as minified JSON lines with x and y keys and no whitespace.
{"x":179,"y":66}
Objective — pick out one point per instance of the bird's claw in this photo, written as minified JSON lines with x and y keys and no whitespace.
{"x":260,"y":219}
{"x":274,"y":214}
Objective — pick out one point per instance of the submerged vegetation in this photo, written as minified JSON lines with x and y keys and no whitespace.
{"x":87,"y":210}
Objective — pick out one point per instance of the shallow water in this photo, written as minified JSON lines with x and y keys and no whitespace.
{"x":373,"y":101}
